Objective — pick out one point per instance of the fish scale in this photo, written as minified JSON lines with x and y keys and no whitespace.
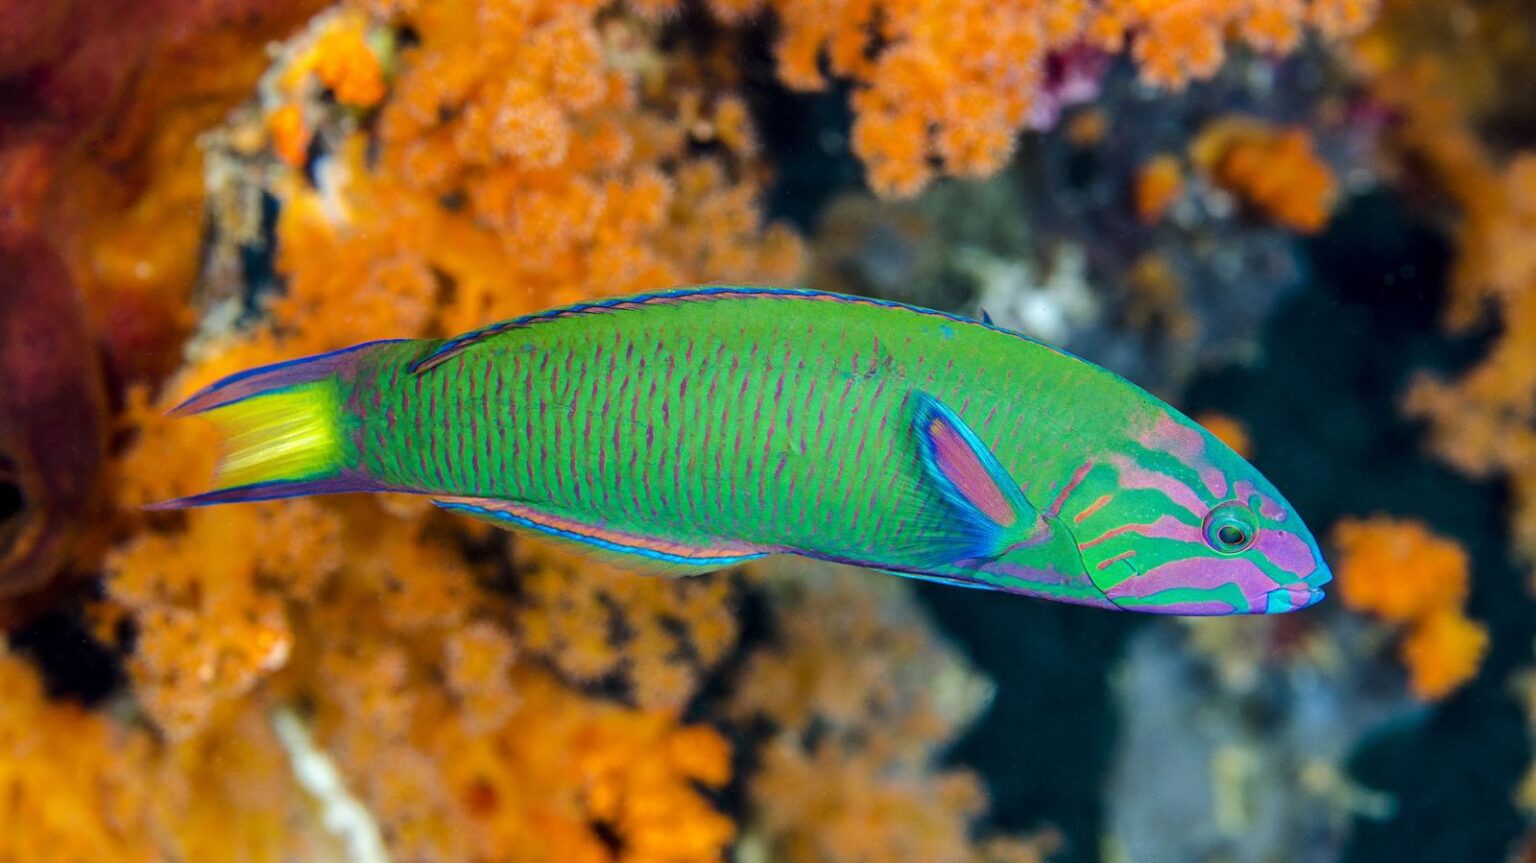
{"x":689,"y":429}
{"x":760,"y":368}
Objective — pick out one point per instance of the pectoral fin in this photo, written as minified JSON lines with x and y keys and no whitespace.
{"x":988,"y":512}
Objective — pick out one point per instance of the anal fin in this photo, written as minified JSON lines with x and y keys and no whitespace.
{"x":650,"y":555}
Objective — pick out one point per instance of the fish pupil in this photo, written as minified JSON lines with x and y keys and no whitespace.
{"x":1230,"y":534}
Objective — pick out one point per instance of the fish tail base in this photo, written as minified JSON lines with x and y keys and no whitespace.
{"x":281,"y":431}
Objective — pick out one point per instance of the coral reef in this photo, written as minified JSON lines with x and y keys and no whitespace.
{"x":947,"y":87}
{"x":856,"y":703}
{"x":91,"y":787}
{"x":412,"y":169}
{"x":1236,"y":738}
{"x":1151,"y":235}
{"x":100,"y":221}
{"x":1398,"y":570}
{"x":417,"y":169}
{"x":670,"y":634}
{"x":1402,"y":573}
{"x":1273,"y":170}
{"x":1159,"y":184}
{"x":1483,"y":422}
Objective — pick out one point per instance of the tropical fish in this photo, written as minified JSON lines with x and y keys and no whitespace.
{"x":695,"y":429}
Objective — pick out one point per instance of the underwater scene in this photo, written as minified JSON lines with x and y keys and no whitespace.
{"x":767,"y":431}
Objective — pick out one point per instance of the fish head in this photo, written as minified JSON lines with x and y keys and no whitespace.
{"x":1181,"y":524}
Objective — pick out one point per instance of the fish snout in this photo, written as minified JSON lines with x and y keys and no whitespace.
{"x":1292,"y":598}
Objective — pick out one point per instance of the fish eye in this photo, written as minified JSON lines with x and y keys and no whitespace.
{"x":1230,"y":527}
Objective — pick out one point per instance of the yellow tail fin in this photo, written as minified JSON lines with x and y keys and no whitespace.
{"x":286,"y":435}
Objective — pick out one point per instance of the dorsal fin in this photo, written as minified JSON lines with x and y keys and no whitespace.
{"x":990,"y":513}
{"x":703,"y":293}
{"x":458,"y":344}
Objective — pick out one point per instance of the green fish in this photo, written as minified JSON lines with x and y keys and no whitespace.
{"x":689,"y":430}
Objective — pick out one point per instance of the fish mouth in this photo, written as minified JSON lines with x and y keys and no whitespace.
{"x":1310,"y":591}
{"x":1295,"y":598}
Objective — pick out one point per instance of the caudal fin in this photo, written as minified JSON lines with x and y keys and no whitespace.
{"x":281,"y":431}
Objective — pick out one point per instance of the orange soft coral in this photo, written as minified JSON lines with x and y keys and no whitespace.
{"x":656,"y":634}
{"x":509,"y":167}
{"x":347,"y":66}
{"x":947,"y":86}
{"x":88,"y":786}
{"x":519,"y":165}
{"x":862,"y":698}
{"x":1442,"y":652}
{"x":526,"y":770}
{"x":1397,"y":569}
{"x":1401,"y":572}
{"x":1483,"y":422}
{"x":1159,"y":184}
{"x":1229,"y":431}
{"x":1273,"y":170}
{"x":69,"y":776}
{"x":859,"y":811}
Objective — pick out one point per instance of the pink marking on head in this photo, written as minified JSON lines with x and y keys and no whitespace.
{"x":1287,"y":551}
{"x":1077,"y":479}
{"x":1268,"y":507}
{"x":1215,"y":481}
{"x":1165,"y":527}
{"x":1188,"y":445}
{"x":1134,"y":476}
{"x":963,"y":468}
{"x":1201,"y":574}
